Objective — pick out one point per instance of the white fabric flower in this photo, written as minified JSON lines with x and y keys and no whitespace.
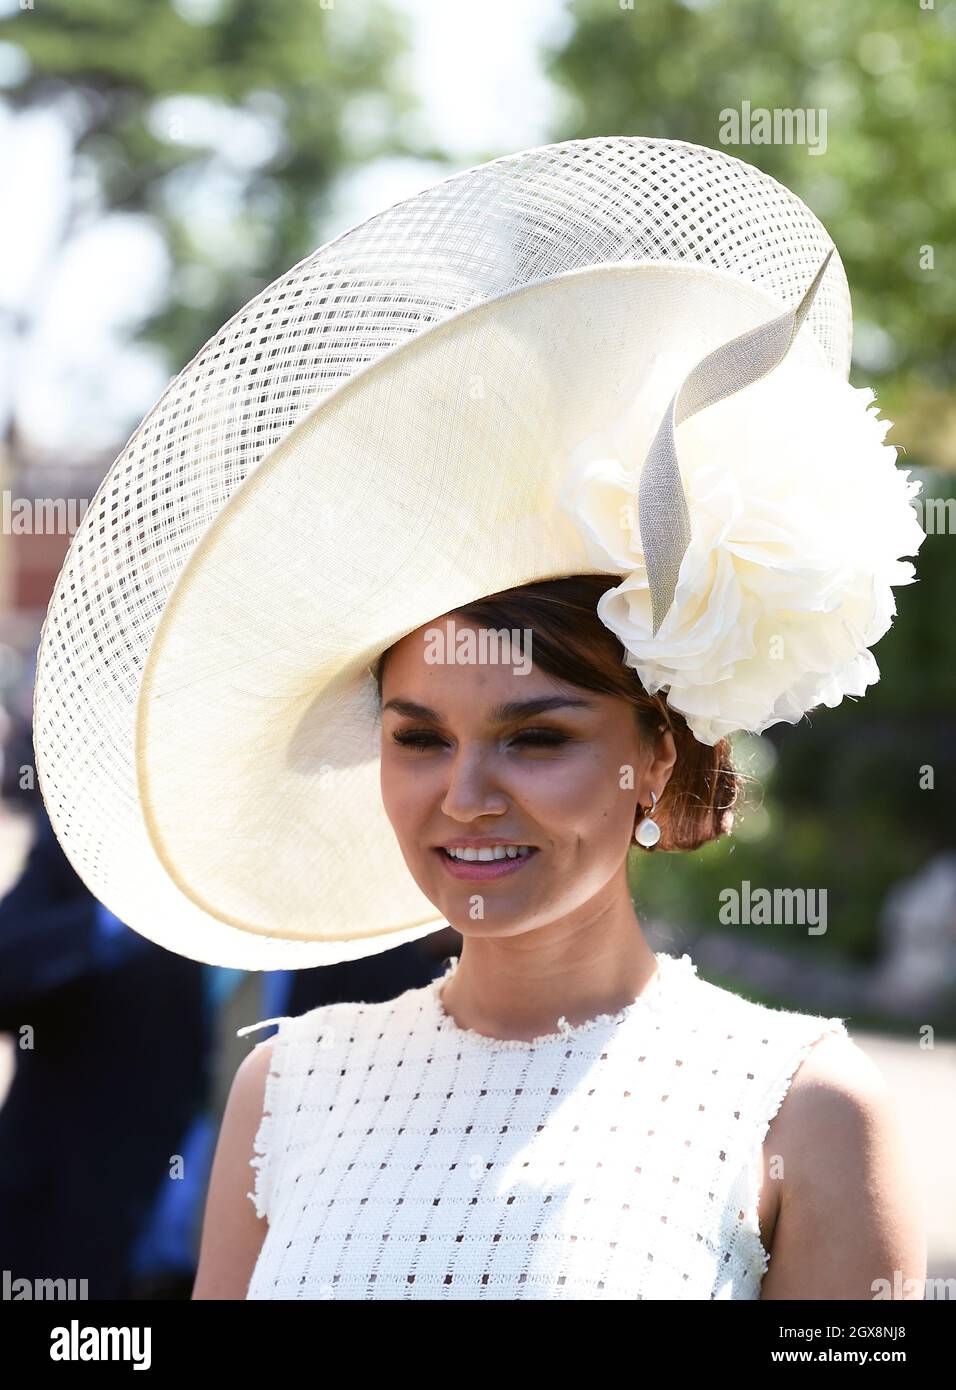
{"x":799,"y":515}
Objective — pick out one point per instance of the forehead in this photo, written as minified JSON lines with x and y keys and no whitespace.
{"x":453,"y":640}
{"x":458,"y":655}
{"x":425,"y":678}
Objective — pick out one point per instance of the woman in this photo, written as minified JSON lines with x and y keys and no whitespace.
{"x":459,"y":421}
{"x":506,"y":1133}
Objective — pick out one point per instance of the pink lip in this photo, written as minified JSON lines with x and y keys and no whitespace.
{"x":483,"y":869}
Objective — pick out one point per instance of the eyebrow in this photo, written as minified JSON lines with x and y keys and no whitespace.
{"x":501,"y":714}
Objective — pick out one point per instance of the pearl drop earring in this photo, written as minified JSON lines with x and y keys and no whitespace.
{"x":648,"y":831}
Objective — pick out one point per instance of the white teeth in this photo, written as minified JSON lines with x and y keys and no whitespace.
{"x":499,"y":852}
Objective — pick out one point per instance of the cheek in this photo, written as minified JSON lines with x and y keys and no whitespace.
{"x":581,"y":792}
{"x":408,"y":794}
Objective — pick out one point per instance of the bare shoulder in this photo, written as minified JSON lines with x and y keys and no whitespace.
{"x":835,"y":1083}
{"x":848,"y":1222}
{"x":232,"y":1233}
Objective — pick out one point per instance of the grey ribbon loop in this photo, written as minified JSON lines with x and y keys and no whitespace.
{"x":662,"y":504}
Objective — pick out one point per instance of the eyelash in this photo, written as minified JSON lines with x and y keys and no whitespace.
{"x":535,"y":738}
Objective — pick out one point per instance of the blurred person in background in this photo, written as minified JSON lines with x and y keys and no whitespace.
{"x":111,"y":1045}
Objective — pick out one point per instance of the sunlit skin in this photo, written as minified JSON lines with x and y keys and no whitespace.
{"x":559,"y":937}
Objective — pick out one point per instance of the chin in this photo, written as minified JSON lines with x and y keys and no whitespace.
{"x":499,"y":922}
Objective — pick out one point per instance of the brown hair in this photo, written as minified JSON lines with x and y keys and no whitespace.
{"x":572,"y":644}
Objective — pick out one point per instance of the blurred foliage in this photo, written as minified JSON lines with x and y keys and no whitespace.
{"x":249,"y":107}
{"x":884,"y":187}
{"x":840,"y":805}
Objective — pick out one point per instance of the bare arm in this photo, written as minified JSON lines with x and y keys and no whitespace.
{"x":232,"y":1234}
{"x":848,"y":1214}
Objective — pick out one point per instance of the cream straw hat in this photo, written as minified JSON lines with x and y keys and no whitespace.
{"x":471,"y":390}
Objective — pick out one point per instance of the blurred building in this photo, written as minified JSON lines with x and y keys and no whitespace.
{"x":42,"y":499}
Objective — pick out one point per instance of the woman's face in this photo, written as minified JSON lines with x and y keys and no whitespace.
{"x":556,"y":780}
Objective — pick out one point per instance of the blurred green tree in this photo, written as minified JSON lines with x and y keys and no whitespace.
{"x":252,"y":107}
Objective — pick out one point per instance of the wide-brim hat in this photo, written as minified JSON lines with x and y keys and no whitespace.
{"x":387,"y":432}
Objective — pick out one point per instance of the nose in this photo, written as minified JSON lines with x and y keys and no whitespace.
{"x":473,"y":789}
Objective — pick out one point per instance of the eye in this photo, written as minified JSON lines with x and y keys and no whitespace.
{"x":541,"y":738}
{"x":531,"y":738}
{"x":415,"y":740}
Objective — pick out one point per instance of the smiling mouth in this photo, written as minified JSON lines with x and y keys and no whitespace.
{"x":484,"y":868}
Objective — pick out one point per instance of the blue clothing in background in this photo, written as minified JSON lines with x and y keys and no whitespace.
{"x":112,"y":1070}
{"x":167,"y":1244}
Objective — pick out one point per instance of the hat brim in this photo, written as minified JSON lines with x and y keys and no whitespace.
{"x":427,"y":480}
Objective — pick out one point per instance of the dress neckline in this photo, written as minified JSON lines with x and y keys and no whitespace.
{"x":654,"y":998}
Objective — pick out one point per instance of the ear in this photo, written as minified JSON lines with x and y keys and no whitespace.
{"x":662,"y":764}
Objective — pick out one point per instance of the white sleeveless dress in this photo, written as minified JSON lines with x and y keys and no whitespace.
{"x":400,"y":1156}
